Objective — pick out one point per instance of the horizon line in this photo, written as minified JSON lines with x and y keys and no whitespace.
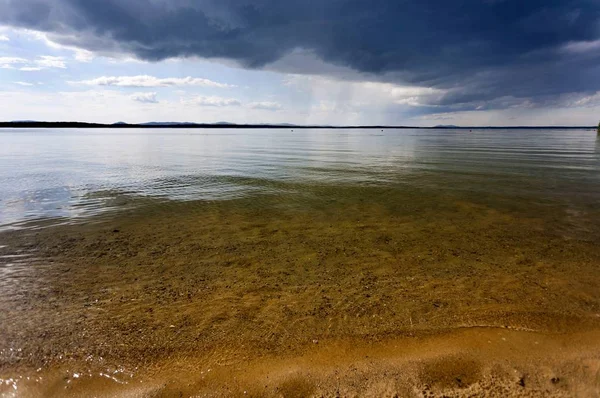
{"x":164,"y":125}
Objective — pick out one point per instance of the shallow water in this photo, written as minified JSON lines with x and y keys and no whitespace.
{"x":127,"y":254}
{"x":77,"y":173}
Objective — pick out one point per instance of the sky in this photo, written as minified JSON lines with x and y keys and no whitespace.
{"x":342,"y":62}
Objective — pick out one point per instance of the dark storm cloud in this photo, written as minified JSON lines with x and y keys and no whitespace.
{"x":478,"y":49}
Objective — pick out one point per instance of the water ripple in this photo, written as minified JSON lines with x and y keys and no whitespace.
{"x":72,"y":174}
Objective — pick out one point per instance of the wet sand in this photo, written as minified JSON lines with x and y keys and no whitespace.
{"x":348,"y":291}
{"x":462,"y":363}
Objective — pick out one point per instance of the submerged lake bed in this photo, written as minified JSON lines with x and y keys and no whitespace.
{"x":300,"y":263}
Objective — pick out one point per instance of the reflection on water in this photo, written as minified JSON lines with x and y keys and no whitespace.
{"x":75,"y":173}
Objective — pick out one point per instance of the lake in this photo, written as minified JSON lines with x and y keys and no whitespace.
{"x":71,"y":174}
{"x":174,"y":261}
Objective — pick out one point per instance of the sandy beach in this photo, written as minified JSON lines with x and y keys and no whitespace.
{"x":462,"y":363}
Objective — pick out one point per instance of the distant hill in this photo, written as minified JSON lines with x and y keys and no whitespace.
{"x":191,"y":125}
{"x":169,"y":124}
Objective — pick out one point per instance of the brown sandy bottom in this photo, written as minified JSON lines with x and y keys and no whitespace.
{"x":464,"y":363}
{"x":343,"y":291}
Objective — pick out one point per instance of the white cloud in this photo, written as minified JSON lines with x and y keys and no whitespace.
{"x":266,"y":105}
{"x":12,"y":60}
{"x":48,"y":61}
{"x":43,"y":62}
{"x":150,"y":81}
{"x":576,"y":100}
{"x":211,"y":101}
{"x":83,"y":55}
{"x":4,"y":38}
{"x":24,"y":84}
{"x":578,"y":47}
{"x":80,"y":54}
{"x":145,"y":98}
{"x":586,"y":101}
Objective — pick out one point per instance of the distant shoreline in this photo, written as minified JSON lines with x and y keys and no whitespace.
{"x":50,"y":125}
